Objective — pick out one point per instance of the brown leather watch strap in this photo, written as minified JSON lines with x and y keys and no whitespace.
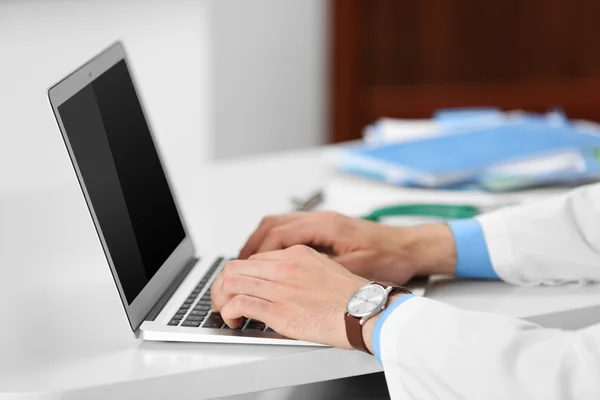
{"x":395,"y":288}
{"x":354,"y":333}
{"x":354,"y":330}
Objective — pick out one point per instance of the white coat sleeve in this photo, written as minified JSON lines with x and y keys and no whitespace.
{"x":550,"y":242}
{"x":430,"y":350}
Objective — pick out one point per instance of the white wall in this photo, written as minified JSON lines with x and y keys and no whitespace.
{"x":41,"y":41}
{"x":219,"y":78}
{"x":269,"y":68}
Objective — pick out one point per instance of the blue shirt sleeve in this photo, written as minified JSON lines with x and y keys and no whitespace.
{"x":472,"y":256}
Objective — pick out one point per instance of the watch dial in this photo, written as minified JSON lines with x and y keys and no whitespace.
{"x":366,"y":300}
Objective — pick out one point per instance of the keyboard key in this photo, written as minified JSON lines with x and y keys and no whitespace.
{"x":174,"y":322}
{"x":255,"y":326}
{"x":218,"y":262}
{"x":195,"y":318}
{"x":205,"y":300}
{"x":179,"y":315}
{"x":270,"y":330}
{"x":202,"y":313}
{"x":214,"y":267}
{"x":214,"y":320}
{"x":244,"y":320}
{"x":239,"y":328}
{"x":189,"y":323}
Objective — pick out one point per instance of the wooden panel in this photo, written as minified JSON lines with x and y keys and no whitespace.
{"x":439,"y":41}
{"x":345,"y":75}
{"x":406,"y":58}
{"x":585,"y":44}
{"x":579,"y":98}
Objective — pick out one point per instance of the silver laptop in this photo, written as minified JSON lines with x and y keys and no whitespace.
{"x":164,"y":287}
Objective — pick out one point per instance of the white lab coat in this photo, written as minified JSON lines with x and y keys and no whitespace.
{"x":431,"y":350}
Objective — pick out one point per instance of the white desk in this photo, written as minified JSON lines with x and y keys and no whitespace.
{"x":64,"y":333}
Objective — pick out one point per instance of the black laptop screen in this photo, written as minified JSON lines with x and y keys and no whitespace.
{"x":123,"y":176}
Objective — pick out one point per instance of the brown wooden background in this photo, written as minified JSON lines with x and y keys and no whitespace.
{"x":406,"y":58}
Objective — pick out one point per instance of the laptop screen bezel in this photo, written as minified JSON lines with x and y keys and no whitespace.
{"x":183,"y":254}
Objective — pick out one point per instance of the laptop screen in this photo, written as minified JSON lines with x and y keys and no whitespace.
{"x":126,"y":184}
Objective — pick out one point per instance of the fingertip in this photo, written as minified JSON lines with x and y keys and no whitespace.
{"x":233,"y":323}
{"x":236,"y":323}
{"x":230,"y":316}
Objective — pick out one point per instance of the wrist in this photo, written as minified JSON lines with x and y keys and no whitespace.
{"x":433,"y":250}
{"x":369,"y":326}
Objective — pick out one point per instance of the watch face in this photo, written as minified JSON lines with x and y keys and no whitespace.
{"x":366,"y":300}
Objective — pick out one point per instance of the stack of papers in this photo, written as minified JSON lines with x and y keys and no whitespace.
{"x":481,"y":149}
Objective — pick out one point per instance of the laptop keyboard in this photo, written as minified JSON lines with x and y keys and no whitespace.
{"x":195,"y":313}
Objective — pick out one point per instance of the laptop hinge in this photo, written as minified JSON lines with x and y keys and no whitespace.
{"x":154,"y":311}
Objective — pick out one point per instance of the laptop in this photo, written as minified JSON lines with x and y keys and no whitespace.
{"x":164,"y":286}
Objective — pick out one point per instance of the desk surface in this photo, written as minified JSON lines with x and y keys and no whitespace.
{"x":65,"y":334}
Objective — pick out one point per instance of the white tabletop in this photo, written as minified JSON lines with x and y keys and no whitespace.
{"x":64,"y":333}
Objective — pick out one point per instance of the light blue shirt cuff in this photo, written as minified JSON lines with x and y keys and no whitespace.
{"x":472,"y":256}
{"x":379,"y":324}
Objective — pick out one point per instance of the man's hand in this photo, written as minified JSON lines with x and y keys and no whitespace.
{"x":368,"y":249}
{"x":298,"y":292}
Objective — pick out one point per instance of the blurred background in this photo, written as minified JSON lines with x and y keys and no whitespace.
{"x":219,"y":79}
{"x":229,"y":78}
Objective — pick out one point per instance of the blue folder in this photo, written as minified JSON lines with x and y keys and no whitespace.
{"x":456,"y":157}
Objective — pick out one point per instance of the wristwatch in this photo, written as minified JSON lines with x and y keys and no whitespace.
{"x":365,"y":303}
